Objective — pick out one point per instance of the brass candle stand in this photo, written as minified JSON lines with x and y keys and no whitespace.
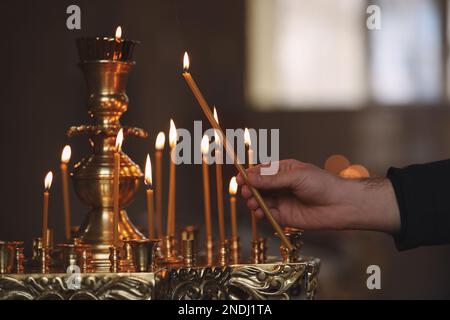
{"x":106,"y":64}
{"x":174,"y":267}
{"x":189,"y":279}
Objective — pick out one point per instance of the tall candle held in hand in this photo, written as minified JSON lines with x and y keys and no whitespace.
{"x":233,"y":190}
{"x":159,"y":146}
{"x":207,"y":111}
{"x":219,"y":181}
{"x":47,"y":184}
{"x":248,"y":144}
{"x":65,"y":158}
{"x":206,"y":192}
{"x":172,"y":181}
{"x":116,"y":184}
{"x":150,"y":205}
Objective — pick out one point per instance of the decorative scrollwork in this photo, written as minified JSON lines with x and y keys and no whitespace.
{"x":207,"y":283}
{"x":245,"y":282}
{"x":255,"y":282}
{"x":92,"y":288}
{"x":237,"y":282}
{"x":311,"y":278}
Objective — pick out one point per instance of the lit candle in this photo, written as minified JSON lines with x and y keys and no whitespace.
{"x":118,"y":33}
{"x":206,"y":192}
{"x":116,"y":183}
{"x":65,"y":158}
{"x":207,"y":111}
{"x":159,"y":146}
{"x":47,"y":184}
{"x":172,"y":180}
{"x":248,"y":143}
{"x":150,"y":205}
{"x":219,"y":181}
{"x":117,"y":39}
{"x":233,"y":190}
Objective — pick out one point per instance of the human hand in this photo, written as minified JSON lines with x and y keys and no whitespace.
{"x":304,"y":196}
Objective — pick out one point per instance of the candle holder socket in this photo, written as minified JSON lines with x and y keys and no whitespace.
{"x":114,"y":259}
{"x":189,"y":252}
{"x":235,"y":250}
{"x":224,"y":253}
{"x":143,"y":252}
{"x":76,"y":254}
{"x":44,"y":260}
{"x":294,"y":235}
{"x":19,"y":258}
{"x":5,"y":257}
{"x":209,"y":251}
{"x":127,"y":263}
{"x":258,"y":251}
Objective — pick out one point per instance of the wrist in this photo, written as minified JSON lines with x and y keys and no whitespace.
{"x":374,"y":205}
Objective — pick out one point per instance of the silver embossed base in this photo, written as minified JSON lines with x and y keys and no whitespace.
{"x":297,"y":280}
{"x":90,"y":286}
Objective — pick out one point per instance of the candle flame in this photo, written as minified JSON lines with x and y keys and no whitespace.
{"x":66,"y":154}
{"x":160,"y":141}
{"x":118,"y":32}
{"x":215,"y":115}
{"x":48,"y":181}
{"x":216,"y":133}
{"x":172,"y":134}
{"x":205,"y":145}
{"x":247,"y":138}
{"x":186,"y":62}
{"x":119,"y":140}
{"x":148,"y":172}
{"x":233,"y":186}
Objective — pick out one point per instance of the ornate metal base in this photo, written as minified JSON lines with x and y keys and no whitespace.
{"x":297,"y":280}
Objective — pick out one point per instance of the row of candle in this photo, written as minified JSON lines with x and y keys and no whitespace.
{"x":148,"y":181}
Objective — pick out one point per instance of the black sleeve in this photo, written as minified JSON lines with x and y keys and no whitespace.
{"x":423,"y":196}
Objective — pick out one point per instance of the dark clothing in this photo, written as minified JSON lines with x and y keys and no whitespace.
{"x":423,"y":196}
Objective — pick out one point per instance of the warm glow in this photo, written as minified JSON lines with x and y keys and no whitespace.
{"x":205,"y":145}
{"x":119,"y":32}
{"x":233,"y":186}
{"x":66,"y":154}
{"x":160,"y":141}
{"x":48,"y":181}
{"x":119,"y":140}
{"x":247,"y":139}
{"x":363,"y":172}
{"x":216,"y":134}
{"x":350,"y":173}
{"x":148,"y":172}
{"x":336,"y":163}
{"x":172,"y":135}
{"x":186,"y":62}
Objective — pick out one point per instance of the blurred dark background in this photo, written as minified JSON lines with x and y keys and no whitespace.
{"x":265,"y":64}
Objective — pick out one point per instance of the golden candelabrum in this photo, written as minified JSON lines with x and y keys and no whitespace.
{"x":89,"y":267}
{"x":106,"y":64}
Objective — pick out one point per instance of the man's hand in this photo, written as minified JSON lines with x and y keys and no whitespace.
{"x":305,"y":196}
